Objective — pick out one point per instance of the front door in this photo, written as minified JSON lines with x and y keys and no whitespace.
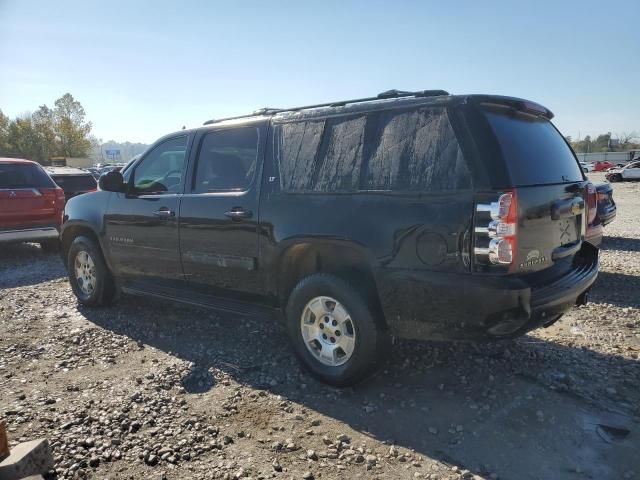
{"x":219,"y":213}
{"x":142,"y":224}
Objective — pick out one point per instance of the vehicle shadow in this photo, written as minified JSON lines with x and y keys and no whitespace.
{"x":616,"y":288}
{"x":519,"y":409}
{"x":621,"y":243}
{"x":23,"y":264}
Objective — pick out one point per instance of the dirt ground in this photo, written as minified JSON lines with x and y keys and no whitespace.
{"x":145,"y":389}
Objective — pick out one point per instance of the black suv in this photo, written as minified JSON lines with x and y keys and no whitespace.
{"x":412,"y":214}
{"x":74,"y":181}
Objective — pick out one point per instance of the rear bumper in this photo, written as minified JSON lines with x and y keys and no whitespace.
{"x":444,"y":306}
{"x":607,"y":217}
{"x":29,"y":235}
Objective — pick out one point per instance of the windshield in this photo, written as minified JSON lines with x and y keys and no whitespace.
{"x":535,"y":152}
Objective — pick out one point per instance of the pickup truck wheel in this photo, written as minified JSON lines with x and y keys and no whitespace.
{"x":89,"y":276}
{"x":334,"y":331}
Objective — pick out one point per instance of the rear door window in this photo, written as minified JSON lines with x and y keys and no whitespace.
{"x":24,"y":175}
{"x":535,"y":152}
{"x":227,"y":160}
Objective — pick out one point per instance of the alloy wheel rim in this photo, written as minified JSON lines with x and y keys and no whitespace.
{"x":85,"y":271}
{"x":328,"y":331}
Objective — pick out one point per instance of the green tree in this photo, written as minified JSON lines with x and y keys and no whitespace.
{"x":4,"y":134}
{"x":22,"y":139}
{"x":71,"y":127}
{"x":44,"y":125}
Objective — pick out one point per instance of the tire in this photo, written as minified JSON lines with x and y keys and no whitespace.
{"x":99,"y":287}
{"x":616,"y":178}
{"x":363,"y":329}
{"x":50,"y":246}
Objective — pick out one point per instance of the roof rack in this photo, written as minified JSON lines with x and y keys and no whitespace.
{"x":341,"y":103}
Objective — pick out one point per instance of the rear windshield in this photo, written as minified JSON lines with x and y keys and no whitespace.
{"x":23,"y":175}
{"x":534,"y":150}
{"x":75,"y":183}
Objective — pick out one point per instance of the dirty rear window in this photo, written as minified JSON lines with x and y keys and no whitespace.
{"x":535,"y":153}
{"x":401,"y":150}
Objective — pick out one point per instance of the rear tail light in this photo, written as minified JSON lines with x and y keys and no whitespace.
{"x":592,"y":203}
{"x":495,"y":239}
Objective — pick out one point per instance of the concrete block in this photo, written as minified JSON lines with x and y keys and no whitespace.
{"x":28,"y":458}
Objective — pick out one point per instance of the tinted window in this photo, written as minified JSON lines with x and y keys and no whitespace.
{"x":24,"y":175}
{"x":227,"y":160}
{"x":534,"y":150}
{"x":161,"y":169}
{"x":413,"y":150}
{"x":75,"y":183}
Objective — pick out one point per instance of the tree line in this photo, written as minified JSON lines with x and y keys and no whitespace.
{"x":606,"y":143}
{"x":61,"y":131}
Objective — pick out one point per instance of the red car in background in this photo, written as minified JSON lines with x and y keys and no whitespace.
{"x":602,"y":165}
{"x":31,"y":204}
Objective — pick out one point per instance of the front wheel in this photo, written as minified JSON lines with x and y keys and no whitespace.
{"x":334,"y":330}
{"x":615,"y":178}
{"x":89,"y":276}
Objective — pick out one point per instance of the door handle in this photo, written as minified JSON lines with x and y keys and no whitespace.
{"x":164,"y":212}
{"x":238,"y":213}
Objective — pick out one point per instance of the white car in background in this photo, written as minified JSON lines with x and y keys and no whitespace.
{"x":629,"y":172}
{"x":586,"y":167}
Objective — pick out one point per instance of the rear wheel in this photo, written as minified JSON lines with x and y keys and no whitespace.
{"x":89,"y":276}
{"x":334,"y":331}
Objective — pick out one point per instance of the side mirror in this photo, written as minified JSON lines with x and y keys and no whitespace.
{"x":111,"y":182}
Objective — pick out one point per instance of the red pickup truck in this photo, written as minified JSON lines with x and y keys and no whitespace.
{"x":31,"y":204}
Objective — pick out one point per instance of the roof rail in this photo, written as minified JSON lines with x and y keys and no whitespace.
{"x":340,"y":103}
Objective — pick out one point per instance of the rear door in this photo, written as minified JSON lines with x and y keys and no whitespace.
{"x":548,"y":184}
{"x":219,"y":213}
{"x":24,"y":202}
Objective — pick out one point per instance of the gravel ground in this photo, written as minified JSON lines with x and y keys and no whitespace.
{"x":145,"y":389}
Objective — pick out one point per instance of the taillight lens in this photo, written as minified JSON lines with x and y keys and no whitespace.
{"x":496,"y":242}
{"x":56,"y":197}
{"x":592,"y":203}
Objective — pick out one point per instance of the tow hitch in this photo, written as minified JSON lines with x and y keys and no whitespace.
{"x":583,"y":299}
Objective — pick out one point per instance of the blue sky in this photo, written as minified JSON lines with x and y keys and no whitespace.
{"x":143,"y":69}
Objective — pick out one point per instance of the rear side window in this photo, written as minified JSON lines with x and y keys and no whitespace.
{"x":75,"y":183}
{"x":533,"y":149}
{"x":227,"y":160}
{"x":416,"y":150}
{"x":23,"y":175}
{"x":398,"y":150}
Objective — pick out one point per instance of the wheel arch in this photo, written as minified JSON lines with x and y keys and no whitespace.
{"x":75,"y":229}
{"x":346,"y":260}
